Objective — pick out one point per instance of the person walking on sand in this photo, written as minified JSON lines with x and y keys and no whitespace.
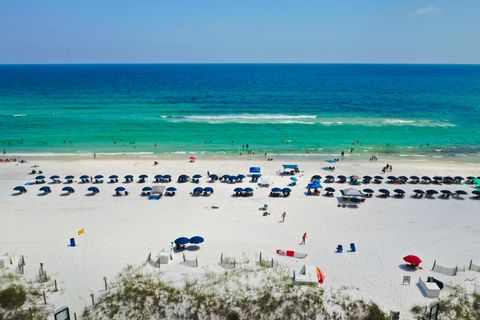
{"x":284,"y":215}
{"x":304,"y":238}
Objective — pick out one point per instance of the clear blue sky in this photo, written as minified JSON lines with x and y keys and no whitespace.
{"x":115,"y":31}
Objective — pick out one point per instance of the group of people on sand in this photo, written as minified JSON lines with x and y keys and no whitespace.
{"x":387,"y":168}
{"x":12,"y":159}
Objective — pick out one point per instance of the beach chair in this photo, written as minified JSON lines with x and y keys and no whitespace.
{"x":406,"y":280}
{"x":339,"y":248}
{"x":352,"y":247}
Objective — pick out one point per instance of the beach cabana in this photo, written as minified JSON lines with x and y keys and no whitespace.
{"x":329,"y":191}
{"x":39,"y":179}
{"x":341,"y":179}
{"x":368,"y":192}
{"x":399,"y":193}
{"x":183,"y":178}
{"x":113,"y":178}
{"x":329,"y":179}
{"x":247,"y":192}
{"x":197,"y":191}
{"x":141,"y":178}
{"x":146,"y":191}
{"x":98,"y":178}
{"x":68,"y":190}
{"x":128,"y":178}
{"x":426,"y":180}
{"x":418,"y":193}
{"x":55,"y":179}
{"x":445,"y":194}
{"x":275,"y":192}
{"x":286,"y":192}
{"x":170,"y":191}
{"x":366,"y":179}
{"x":69,"y":179}
{"x":430,"y":193}
{"x":414,"y":179}
{"x":238,"y":191}
{"x":85,"y":178}
{"x":460,"y":193}
{"x":45,"y":189}
{"x":377,"y":179}
{"x":93,"y":190}
{"x":384,"y":193}
{"x":207,"y":191}
{"x":181,"y":242}
{"x":119,"y":190}
{"x":476,"y":194}
{"x":20,"y":189}
{"x":196,"y":178}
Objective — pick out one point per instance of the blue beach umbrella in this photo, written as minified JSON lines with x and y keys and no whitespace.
{"x":98,"y":177}
{"x":181,"y":241}
{"x":293,"y":179}
{"x":213,"y":176}
{"x":248,"y":189}
{"x":276,"y":190}
{"x":143,"y":176}
{"x":197,"y":190}
{"x":54,"y":177}
{"x":113,"y":176}
{"x":45,"y":189}
{"x":119,"y":189}
{"x":39,"y":177}
{"x":70,"y":177}
{"x":84,"y":177}
{"x":68,"y":189}
{"x":93,"y":190}
{"x":197,"y":176}
{"x":331,"y":161}
{"x":20,"y":189}
{"x":286,"y":190}
{"x":240,"y":176}
{"x":146,"y":189}
{"x":171,"y":189}
{"x":208,"y":190}
{"x":238,"y":190}
{"x":196,"y":240}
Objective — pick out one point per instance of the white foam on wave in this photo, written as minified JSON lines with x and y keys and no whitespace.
{"x":19,"y":115}
{"x":245,"y":118}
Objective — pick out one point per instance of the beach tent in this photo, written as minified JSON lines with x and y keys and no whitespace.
{"x":351,"y":192}
{"x":254,"y":169}
{"x":265,"y":182}
{"x":308,"y":274}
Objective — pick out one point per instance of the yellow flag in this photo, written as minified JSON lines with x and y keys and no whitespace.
{"x":81,"y":231}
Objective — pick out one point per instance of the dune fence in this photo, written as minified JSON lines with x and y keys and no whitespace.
{"x":444,"y":270}
{"x":473,"y":267}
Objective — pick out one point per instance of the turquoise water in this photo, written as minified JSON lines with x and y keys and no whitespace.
{"x":291,"y":109}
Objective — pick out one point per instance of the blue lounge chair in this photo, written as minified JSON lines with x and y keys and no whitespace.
{"x":352,"y":247}
{"x":339,"y":248}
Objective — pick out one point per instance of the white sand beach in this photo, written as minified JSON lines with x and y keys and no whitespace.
{"x":121,"y":231}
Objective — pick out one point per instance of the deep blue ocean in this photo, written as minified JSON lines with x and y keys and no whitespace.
{"x":220,"y":108}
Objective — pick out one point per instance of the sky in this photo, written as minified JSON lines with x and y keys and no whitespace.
{"x":240,"y":31}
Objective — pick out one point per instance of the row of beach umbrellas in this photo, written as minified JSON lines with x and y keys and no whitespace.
{"x":395,"y":179}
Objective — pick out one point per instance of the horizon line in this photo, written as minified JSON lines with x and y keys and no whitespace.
{"x":238,"y":63}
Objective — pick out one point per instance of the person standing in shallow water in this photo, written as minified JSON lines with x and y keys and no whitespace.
{"x":94,"y":155}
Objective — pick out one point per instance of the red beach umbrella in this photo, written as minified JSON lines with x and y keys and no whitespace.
{"x":412,"y":259}
{"x":192,"y":158}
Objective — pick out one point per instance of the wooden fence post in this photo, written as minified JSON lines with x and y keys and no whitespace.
{"x":93,"y":299}
{"x":105,"y":282}
{"x":434,"y":263}
{"x":221,"y":258}
{"x":260,"y":260}
{"x":196,"y":261}
{"x":470,"y":265}
{"x":44,"y":297}
{"x":55,"y":282}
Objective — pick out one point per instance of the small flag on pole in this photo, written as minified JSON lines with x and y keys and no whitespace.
{"x":81,"y":231}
